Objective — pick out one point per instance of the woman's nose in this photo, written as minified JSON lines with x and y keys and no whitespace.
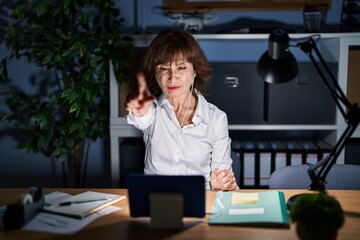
{"x":172,"y":75}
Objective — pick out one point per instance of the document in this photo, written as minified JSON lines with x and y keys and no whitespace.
{"x":311,"y":152}
{"x":59,"y":224}
{"x":264,"y":155}
{"x":324,"y":149}
{"x":278,"y":154}
{"x":83,"y":204}
{"x":295,"y":153}
{"x":249,"y":149}
{"x":269,"y":210}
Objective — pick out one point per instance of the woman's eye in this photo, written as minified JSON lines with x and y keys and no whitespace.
{"x":182,"y":68}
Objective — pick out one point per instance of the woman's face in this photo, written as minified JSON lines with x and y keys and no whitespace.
{"x":175,"y":78}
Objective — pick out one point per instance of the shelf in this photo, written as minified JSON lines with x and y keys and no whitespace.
{"x":191,"y":7}
{"x":145,"y":39}
{"x":120,"y":125}
{"x":287,"y":127}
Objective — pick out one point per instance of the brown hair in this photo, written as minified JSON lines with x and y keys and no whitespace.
{"x":166,"y":47}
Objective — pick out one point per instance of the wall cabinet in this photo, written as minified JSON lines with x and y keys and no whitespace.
{"x":255,"y":110}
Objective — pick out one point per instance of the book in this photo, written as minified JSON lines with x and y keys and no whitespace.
{"x":249,"y":163}
{"x":279,"y":155}
{"x":266,"y":209}
{"x":264,"y":160}
{"x":83,"y":204}
{"x":295,"y":152}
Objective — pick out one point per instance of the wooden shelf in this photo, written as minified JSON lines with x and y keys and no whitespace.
{"x":183,"y":6}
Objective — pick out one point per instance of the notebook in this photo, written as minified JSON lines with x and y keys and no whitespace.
{"x":266,"y":209}
{"x":83,"y":204}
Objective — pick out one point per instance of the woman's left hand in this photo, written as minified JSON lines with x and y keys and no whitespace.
{"x":223,"y":180}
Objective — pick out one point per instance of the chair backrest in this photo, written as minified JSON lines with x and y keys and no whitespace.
{"x":236,"y":167}
{"x":341,"y":176}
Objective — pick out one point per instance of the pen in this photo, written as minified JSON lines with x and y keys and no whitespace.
{"x":83,"y":201}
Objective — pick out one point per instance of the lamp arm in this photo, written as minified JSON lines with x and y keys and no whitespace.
{"x":351,"y":114}
{"x":336,"y":92}
{"x":318,"y":178}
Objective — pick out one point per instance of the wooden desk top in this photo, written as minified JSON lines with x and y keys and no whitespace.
{"x":119,"y":225}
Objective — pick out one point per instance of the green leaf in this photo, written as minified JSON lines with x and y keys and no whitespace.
{"x":57,"y":151}
{"x":74,"y":107}
{"x":63,"y":157}
{"x":67,"y":4}
{"x":73,"y":96}
{"x":88,"y":94}
{"x":73,"y":127}
{"x":66,"y":93}
{"x":48,"y":58}
{"x":69,"y":95}
{"x":80,"y":46}
{"x":41,"y":9}
{"x":49,"y":135}
{"x":18,"y":12}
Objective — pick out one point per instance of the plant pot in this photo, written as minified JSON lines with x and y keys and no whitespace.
{"x":306,"y":232}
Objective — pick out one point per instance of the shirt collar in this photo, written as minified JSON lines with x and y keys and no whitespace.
{"x":201,"y":112}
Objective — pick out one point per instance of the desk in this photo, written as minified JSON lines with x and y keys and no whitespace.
{"x":119,"y":225}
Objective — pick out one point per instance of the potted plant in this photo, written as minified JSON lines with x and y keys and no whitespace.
{"x":317,"y":216}
{"x":74,"y":41}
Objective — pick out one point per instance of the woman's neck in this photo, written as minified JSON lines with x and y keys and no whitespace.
{"x":184,"y":108}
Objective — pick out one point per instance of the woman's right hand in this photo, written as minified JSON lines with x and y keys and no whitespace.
{"x":139,"y":104}
{"x":223,"y":179}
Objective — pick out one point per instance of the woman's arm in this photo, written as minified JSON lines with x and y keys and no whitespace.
{"x":140,"y":106}
{"x":222,"y":177}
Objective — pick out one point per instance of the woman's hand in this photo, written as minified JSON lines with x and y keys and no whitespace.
{"x":223,"y":180}
{"x":140,"y":104}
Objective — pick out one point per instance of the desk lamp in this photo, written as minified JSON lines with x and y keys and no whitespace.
{"x":278,"y":65}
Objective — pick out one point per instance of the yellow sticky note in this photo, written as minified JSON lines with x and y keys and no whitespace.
{"x":244,"y":198}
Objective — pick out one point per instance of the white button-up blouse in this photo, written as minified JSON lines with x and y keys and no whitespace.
{"x":195,"y":149}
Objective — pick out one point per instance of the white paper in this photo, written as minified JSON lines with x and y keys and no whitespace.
{"x":83,"y":209}
{"x":246,"y":211}
{"x":53,"y":223}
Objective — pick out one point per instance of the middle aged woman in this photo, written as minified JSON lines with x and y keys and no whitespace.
{"x":183,"y":133}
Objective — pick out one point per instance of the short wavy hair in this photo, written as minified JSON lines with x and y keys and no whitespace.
{"x":166,"y":47}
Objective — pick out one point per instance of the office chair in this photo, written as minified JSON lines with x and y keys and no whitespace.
{"x":341,"y":176}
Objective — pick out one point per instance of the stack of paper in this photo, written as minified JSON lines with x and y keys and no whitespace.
{"x":84,"y":204}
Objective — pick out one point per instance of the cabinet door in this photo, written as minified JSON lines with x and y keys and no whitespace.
{"x":236,"y":89}
{"x":305,"y":100}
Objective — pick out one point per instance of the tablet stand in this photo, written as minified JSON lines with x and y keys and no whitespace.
{"x":166,"y":210}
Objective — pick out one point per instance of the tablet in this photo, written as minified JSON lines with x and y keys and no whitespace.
{"x":192,"y":188}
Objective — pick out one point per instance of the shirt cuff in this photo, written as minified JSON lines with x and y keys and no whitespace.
{"x":143,"y":121}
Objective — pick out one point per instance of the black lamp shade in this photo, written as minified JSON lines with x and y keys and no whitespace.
{"x":278,"y":64}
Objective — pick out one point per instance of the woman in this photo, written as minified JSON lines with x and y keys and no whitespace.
{"x":183,"y":133}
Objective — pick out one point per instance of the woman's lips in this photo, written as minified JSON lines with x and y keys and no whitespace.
{"x":172,"y":88}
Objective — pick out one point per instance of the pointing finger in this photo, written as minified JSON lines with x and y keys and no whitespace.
{"x":142,"y":84}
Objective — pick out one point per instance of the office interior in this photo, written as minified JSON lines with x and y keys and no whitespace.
{"x":252,"y":105}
